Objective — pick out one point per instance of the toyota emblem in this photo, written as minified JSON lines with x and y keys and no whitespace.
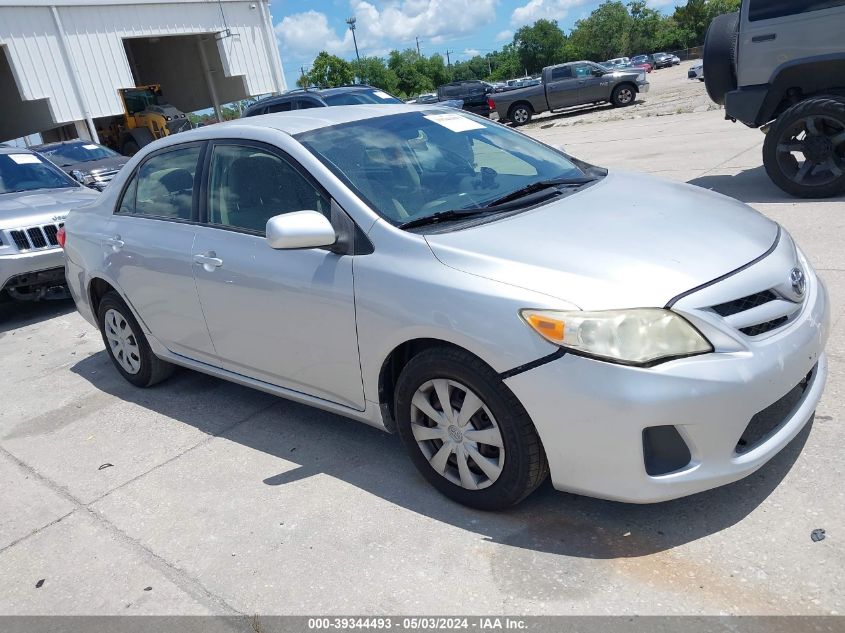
{"x":798,"y":281}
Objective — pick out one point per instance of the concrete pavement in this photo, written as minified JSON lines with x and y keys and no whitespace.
{"x":199,"y":496}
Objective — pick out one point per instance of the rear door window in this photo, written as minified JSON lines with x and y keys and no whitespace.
{"x":769,"y":9}
{"x":165,"y":187}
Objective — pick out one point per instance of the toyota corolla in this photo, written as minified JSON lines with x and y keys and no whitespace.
{"x":512,"y":312}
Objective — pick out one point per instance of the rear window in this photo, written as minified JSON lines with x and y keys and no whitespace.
{"x":769,"y":9}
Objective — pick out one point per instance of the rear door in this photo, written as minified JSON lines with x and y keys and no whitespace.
{"x":774,"y":32}
{"x":561,"y":87}
{"x":148,"y":248}
{"x":285,"y":317}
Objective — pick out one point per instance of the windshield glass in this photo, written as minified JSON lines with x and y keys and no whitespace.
{"x":413,"y":165}
{"x":357,"y":97}
{"x":65,"y":155}
{"x":26,"y":172}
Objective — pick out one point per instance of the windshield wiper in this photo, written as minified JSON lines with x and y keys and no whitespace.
{"x":534,"y":187}
{"x":443,"y":216}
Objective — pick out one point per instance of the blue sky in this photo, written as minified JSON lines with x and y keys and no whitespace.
{"x":467,"y":27}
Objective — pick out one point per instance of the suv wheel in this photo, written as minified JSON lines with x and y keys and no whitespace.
{"x":466,"y":432}
{"x":804,"y":151}
{"x":623,"y":95}
{"x":127,"y":346}
{"x":520,"y":114}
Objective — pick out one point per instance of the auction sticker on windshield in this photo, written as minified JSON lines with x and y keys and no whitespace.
{"x":455,"y":122}
{"x":382,"y":95}
{"x":24,"y":159}
{"x":91,"y":146}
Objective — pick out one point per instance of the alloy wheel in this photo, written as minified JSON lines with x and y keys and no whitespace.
{"x":811,"y":151}
{"x":122,"y":342}
{"x":520,"y":115}
{"x":625,"y":96}
{"x":457,"y":434}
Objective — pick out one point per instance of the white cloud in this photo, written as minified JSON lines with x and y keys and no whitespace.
{"x":502,"y":36}
{"x":534,"y":10}
{"x":471,"y":52}
{"x":394,"y":24}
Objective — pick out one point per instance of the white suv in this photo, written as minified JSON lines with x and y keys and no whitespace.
{"x":781,"y":66}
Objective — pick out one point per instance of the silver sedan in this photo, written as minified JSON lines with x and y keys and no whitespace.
{"x":512,"y":312}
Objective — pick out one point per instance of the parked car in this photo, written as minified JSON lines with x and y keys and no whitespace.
{"x":89,"y":163}
{"x":618,"y":61}
{"x":568,"y":85}
{"x":427,"y":97}
{"x":657,"y":60}
{"x":35,"y":197}
{"x":430,"y":98}
{"x":643,"y":66}
{"x":320,"y":98}
{"x":505,"y":316}
{"x":675,"y":60}
{"x":696,"y":71}
{"x":473,"y":93}
{"x":781,"y":66}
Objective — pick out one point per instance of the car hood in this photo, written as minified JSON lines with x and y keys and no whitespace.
{"x":112,"y":163}
{"x":42,"y":206}
{"x":627,"y":241}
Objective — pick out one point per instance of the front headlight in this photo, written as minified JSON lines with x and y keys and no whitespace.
{"x":640,"y":336}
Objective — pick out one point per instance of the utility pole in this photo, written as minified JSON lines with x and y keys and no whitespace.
{"x":351,"y":22}
{"x":448,"y":59}
{"x":418,"y":47}
{"x":304,"y":77}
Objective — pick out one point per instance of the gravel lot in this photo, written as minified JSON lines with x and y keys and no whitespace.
{"x":199,"y":496}
{"x":671,"y":92}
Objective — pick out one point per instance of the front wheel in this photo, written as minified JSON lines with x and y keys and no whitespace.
{"x":804,"y":150}
{"x":520,"y":114}
{"x":466,"y":432}
{"x":127,"y":346}
{"x":623,"y":95}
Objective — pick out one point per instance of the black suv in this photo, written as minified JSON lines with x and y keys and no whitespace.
{"x":320,"y":98}
{"x":474,"y":94}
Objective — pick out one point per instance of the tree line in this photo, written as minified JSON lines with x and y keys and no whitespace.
{"x":614,"y":29}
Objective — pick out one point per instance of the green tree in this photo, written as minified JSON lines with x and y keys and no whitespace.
{"x":604,"y":34}
{"x":374,"y":72}
{"x":539,"y":45}
{"x":328,"y":71}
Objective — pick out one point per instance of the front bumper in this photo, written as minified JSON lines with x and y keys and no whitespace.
{"x":15,"y":265}
{"x":590,"y":415}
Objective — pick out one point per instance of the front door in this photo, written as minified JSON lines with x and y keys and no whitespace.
{"x":590,"y":87}
{"x":286,"y":317}
{"x":148,"y":249}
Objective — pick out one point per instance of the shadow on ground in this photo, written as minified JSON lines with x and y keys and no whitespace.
{"x":549,"y":119}
{"x":548,"y":521}
{"x":17,"y":314}
{"x":751,"y":185}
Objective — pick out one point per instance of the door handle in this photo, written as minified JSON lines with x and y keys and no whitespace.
{"x":209,"y":261}
{"x":768,"y":37}
{"x":115,"y":242}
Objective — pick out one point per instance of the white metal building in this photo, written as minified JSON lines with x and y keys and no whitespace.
{"x":63,"y":61}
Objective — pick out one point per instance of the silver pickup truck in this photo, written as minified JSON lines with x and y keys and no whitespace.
{"x":564,"y":85}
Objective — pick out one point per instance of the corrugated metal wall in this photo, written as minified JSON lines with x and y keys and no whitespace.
{"x":95,"y":34}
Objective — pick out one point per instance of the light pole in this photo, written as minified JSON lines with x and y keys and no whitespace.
{"x":351,"y":22}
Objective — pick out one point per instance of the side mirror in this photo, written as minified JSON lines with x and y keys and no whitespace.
{"x":300,"y":229}
{"x":598,"y":73}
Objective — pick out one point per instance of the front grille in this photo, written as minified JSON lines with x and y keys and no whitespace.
{"x":762,"y":328}
{"x":744,"y":303}
{"x":21,"y":240}
{"x":36,"y":237}
{"x":767,"y":422}
{"x":105,"y":176}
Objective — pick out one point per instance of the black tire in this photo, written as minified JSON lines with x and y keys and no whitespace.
{"x":130,"y":148}
{"x":818,"y":121}
{"x":520,"y":114}
{"x":152,"y":369}
{"x":623,"y":95}
{"x":720,"y":56}
{"x":524,"y":465}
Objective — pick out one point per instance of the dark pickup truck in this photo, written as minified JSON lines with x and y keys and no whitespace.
{"x":472,"y":92}
{"x":571,"y":84}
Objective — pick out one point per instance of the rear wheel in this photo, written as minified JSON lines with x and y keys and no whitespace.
{"x":126,"y":344}
{"x":804,"y":150}
{"x":466,"y":432}
{"x":520,"y":114}
{"x":623,"y":95}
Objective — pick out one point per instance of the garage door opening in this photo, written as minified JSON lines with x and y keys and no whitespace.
{"x":19,"y":118}
{"x":188,"y":68}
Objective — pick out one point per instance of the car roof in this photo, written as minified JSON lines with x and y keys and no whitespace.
{"x":10,"y":149}
{"x":298,"y":121}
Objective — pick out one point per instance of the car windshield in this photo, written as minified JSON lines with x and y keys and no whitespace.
{"x":357,"y":97}
{"x":416,"y":164}
{"x":27,"y":172}
{"x":65,"y":155}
